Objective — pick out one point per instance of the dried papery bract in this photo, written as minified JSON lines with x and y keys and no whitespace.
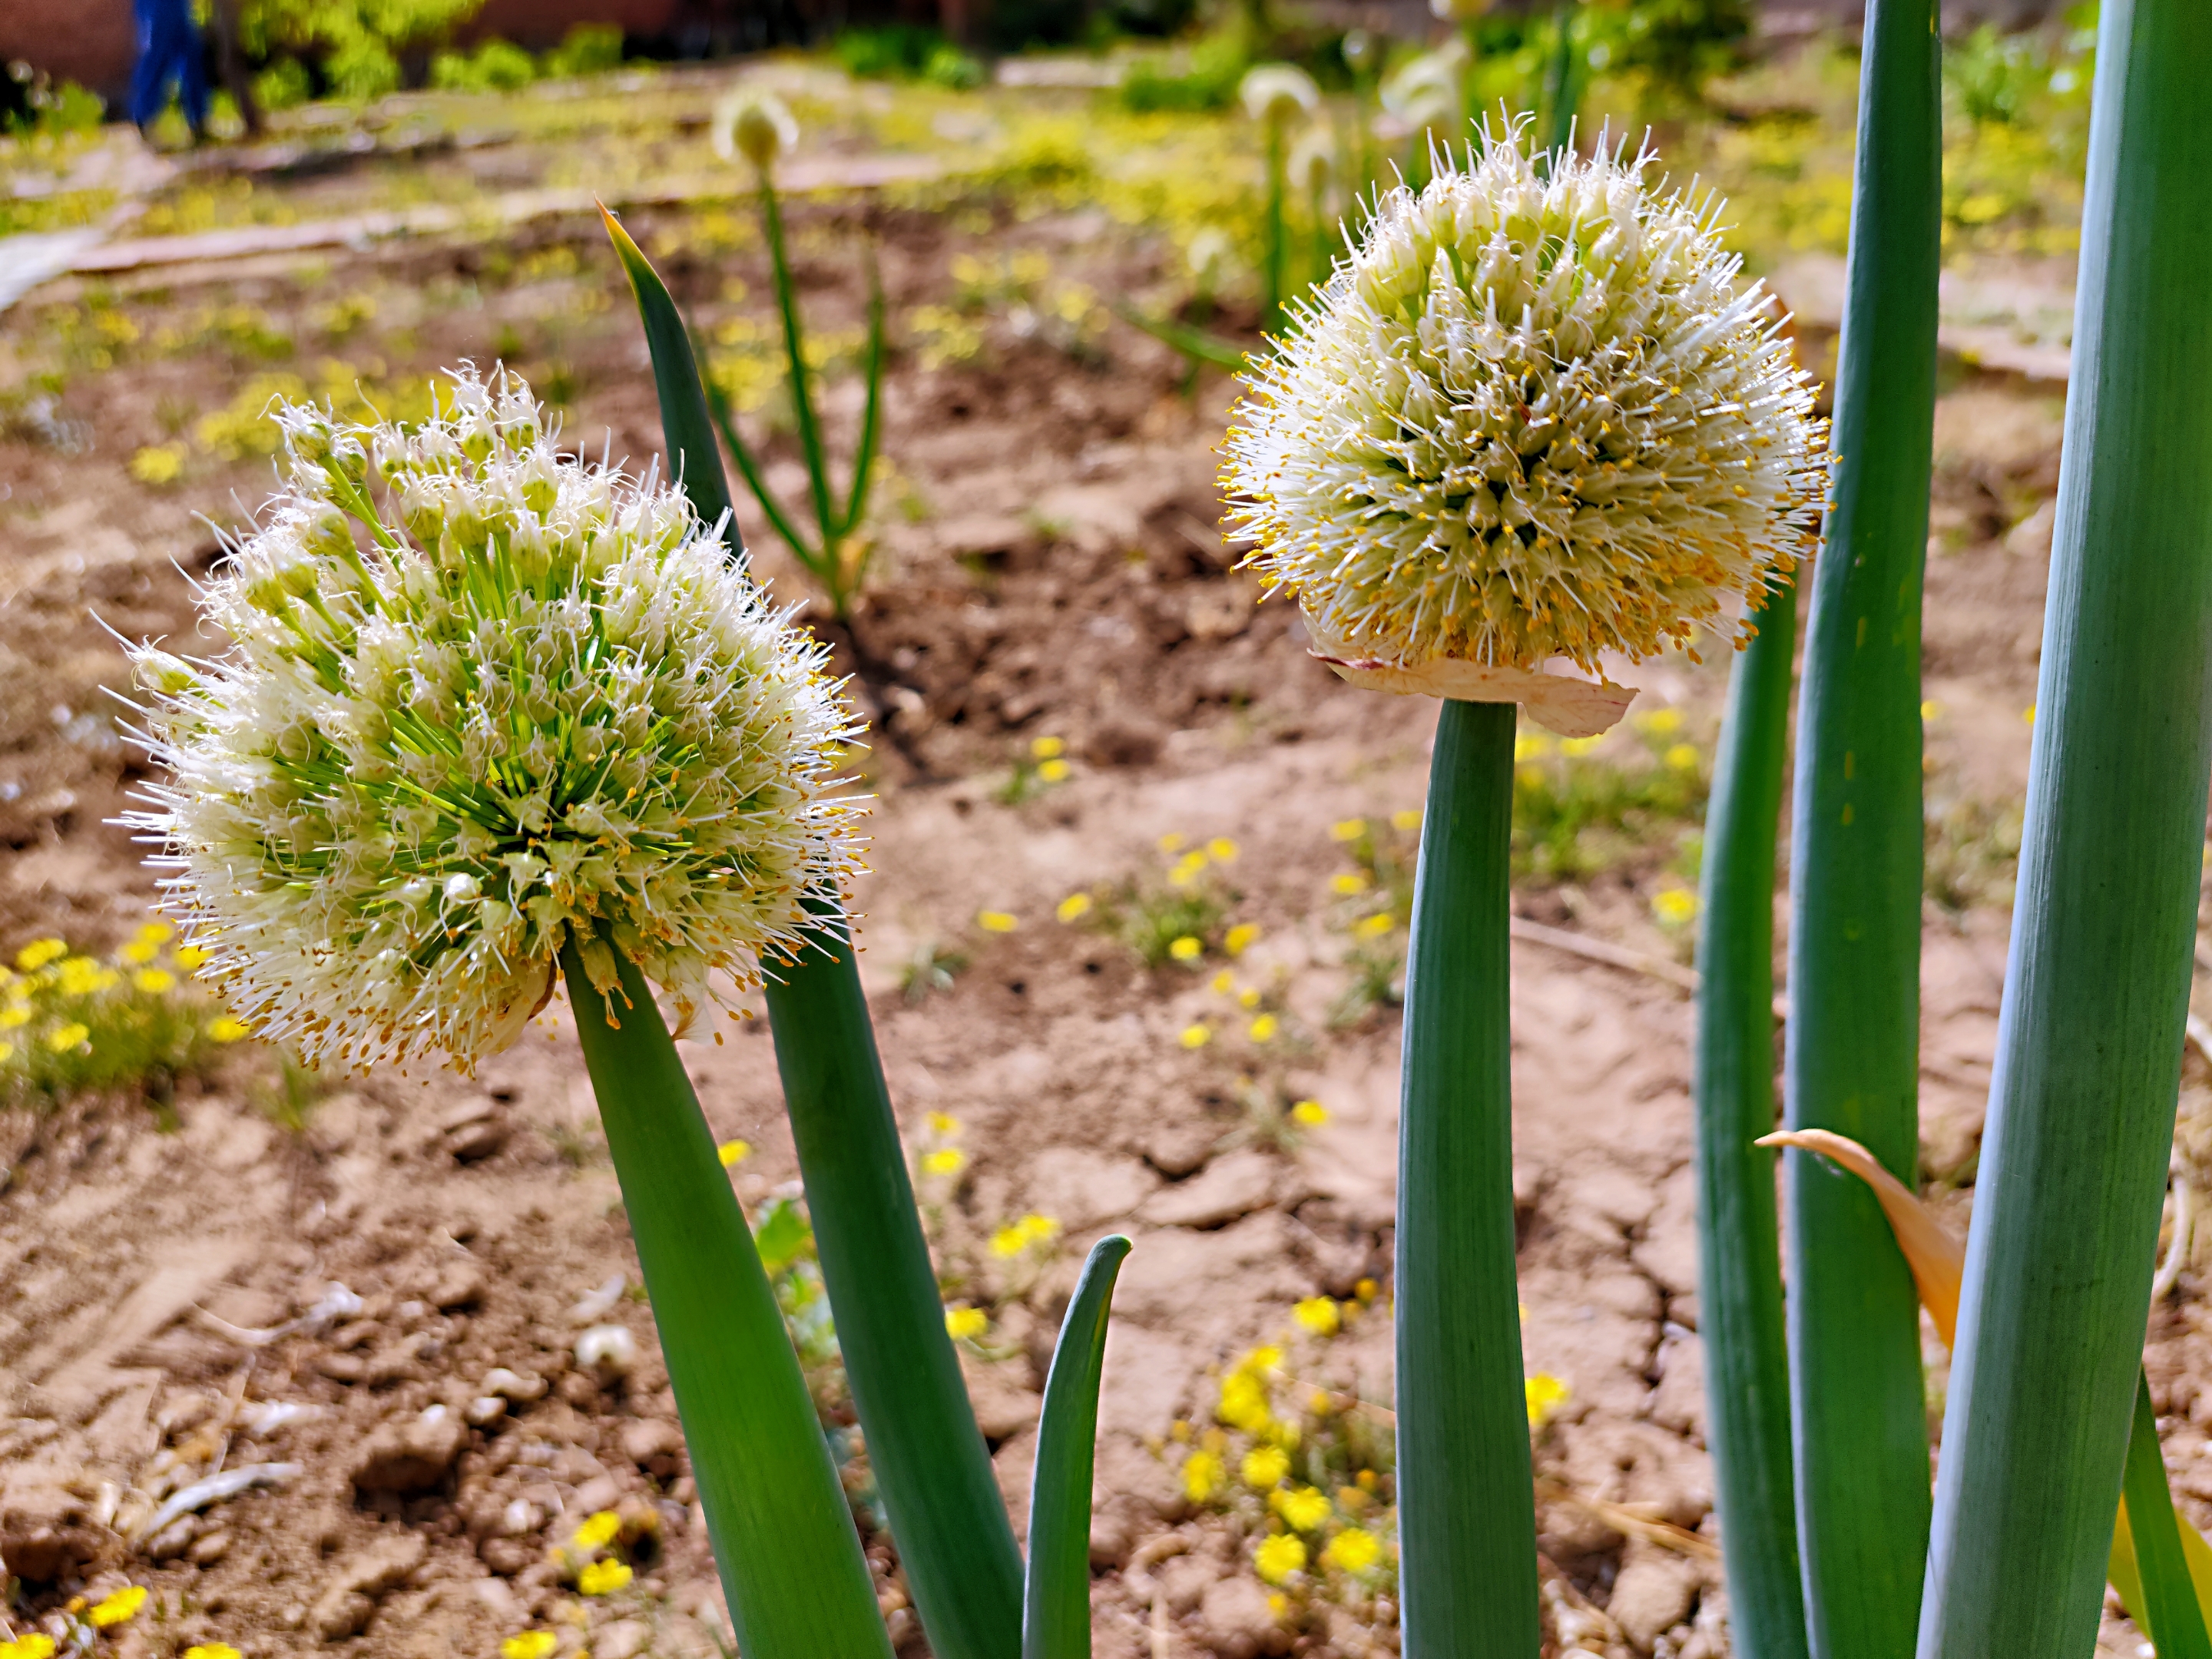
{"x":488,"y":713}
{"x":483,"y":699}
{"x":1530,"y":417}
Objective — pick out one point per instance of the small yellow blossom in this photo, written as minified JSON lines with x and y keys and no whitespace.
{"x":228,"y":1029}
{"x":603,"y":1577}
{"x":7,"y":1053}
{"x":1240,"y":938}
{"x":1310,"y":1112}
{"x":997,"y":921}
{"x":1202,"y":1476}
{"x":1038,"y":1228}
{"x":1674,"y":906}
{"x":1172,"y":842}
{"x":35,"y":1646}
{"x":1265,"y":1468}
{"x":152,"y":932}
{"x":1055,"y":771}
{"x":212,"y":1650}
{"x":1302,"y":1507}
{"x":1683,"y":758}
{"x":1931,"y":710}
{"x":1575,"y":748}
{"x":2028,"y":714}
{"x":37,"y":954}
{"x":733,"y":1152}
{"x":1317,"y":1314}
{"x":1196,"y":1034}
{"x":966,"y":1324}
{"x":158,"y":464}
{"x":599,"y":1530}
{"x":15,"y":1014}
{"x":118,"y":1607}
{"x":1407,"y":818}
{"x":62,"y":1038}
{"x":1222,"y":983}
{"x":1264,"y":1029}
{"x":943,"y":1123}
{"x":1347,"y":830}
{"x":1244,"y":1403}
{"x":1073,"y":907}
{"x":1661,"y":722}
{"x":191,"y":957}
{"x":1279,"y":1557}
{"x":1248,"y":998}
{"x":530,"y":1644}
{"x":1374,"y":926}
{"x":1278,"y":1604}
{"x":1546,"y":1394}
{"x":1353,"y":1550}
{"x":1047,"y":748}
{"x":1530,"y":747}
{"x":1187,"y":949}
{"x":945,"y":1161}
{"x":1349,"y":883}
{"x":141,"y":951}
{"x":1187,"y":869}
{"x":1222,"y":850}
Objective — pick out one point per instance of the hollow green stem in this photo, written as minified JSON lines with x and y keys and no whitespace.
{"x":798,"y":1585}
{"x":794,"y":347}
{"x":1465,"y":1507}
{"x":2081,"y":1123}
{"x":1739,"y":1249}
{"x":930,"y":1460}
{"x":1853,"y":1047}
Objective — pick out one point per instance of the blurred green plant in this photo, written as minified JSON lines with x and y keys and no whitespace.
{"x":352,"y":47}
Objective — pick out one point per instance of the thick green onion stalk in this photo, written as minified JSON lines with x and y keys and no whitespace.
{"x":2074,"y":1160}
{"x":1739,"y":1250}
{"x":1852,"y":1066}
{"x":929,"y":1458}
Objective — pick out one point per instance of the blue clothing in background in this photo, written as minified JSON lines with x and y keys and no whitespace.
{"x":168,"y":49}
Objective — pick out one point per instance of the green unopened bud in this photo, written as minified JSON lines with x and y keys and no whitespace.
{"x":756,"y":126}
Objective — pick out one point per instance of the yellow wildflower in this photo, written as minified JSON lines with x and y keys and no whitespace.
{"x":2028,"y":714}
{"x":141,"y":951}
{"x":1248,"y":998}
{"x":1311,"y":1114}
{"x":1302,"y":1507}
{"x":1187,"y":949}
{"x":1374,"y":926}
{"x":1202,"y":1476}
{"x":733,"y":1152}
{"x":35,"y":1646}
{"x":1172,"y":842}
{"x":1222,"y":983}
{"x":1055,"y":771}
{"x":1931,"y":710}
{"x":1047,"y":748}
{"x":118,"y":1607}
{"x":943,"y":1123}
{"x":7,"y":1053}
{"x":1406,"y":819}
{"x":1546,"y":1394}
{"x":1196,"y":1034}
{"x":1575,"y":748}
{"x":152,"y":932}
{"x":1529,"y":746}
{"x":1008,"y":1242}
{"x":1222,"y":850}
{"x":1073,"y":907}
{"x":997,"y":921}
{"x":1265,"y":1467}
{"x":1317,"y":1314}
{"x":1279,"y":1557}
{"x":191,"y":957}
{"x":599,"y":1530}
{"x":1674,"y":906}
{"x":1264,"y":1029}
{"x":1683,"y":758}
{"x":227,"y":1029}
{"x":157,"y":980}
{"x":603,"y":1577}
{"x":15,"y":1014}
{"x":62,"y":1038}
{"x":1349,"y":883}
{"x":1661,"y":722}
{"x":966,"y":1324}
{"x":1244,"y":1403}
{"x":530,"y":1644}
{"x":37,"y":954}
{"x":1353,"y":1550}
{"x":1240,"y":938}
{"x":212,"y":1650}
{"x":1347,"y":830}
{"x":945,"y":1161}
{"x":1038,"y":1228}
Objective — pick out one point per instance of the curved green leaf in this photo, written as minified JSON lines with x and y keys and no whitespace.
{"x":1056,"y":1601}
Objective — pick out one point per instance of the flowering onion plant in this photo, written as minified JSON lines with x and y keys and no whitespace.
{"x":492,"y":718}
{"x":1533,"y":416}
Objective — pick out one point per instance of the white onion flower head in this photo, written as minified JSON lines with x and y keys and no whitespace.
{"x":1426,"y":92}
{"x":756,"y":124}
{"x":1276,"y":94}
{"x":1532,"y":417}
{"x":482,"y":699}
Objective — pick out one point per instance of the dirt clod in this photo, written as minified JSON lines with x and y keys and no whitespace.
{"x":1237,"y":1622}
{"x":410,"y":1455}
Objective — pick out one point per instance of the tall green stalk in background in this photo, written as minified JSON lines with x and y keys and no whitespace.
{"x":1739,"y":1251}
{"x":1564,"y":90}
{"x":1275,"y":95}
{"x":758,"y":127}
{"x":1855,"y":868}
{"x":930,"y":1460}
{"x":2074,"y":1161}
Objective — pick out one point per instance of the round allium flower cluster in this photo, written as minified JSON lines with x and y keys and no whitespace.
{"x":483,"y":699}
{"x":1532,"y":417}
